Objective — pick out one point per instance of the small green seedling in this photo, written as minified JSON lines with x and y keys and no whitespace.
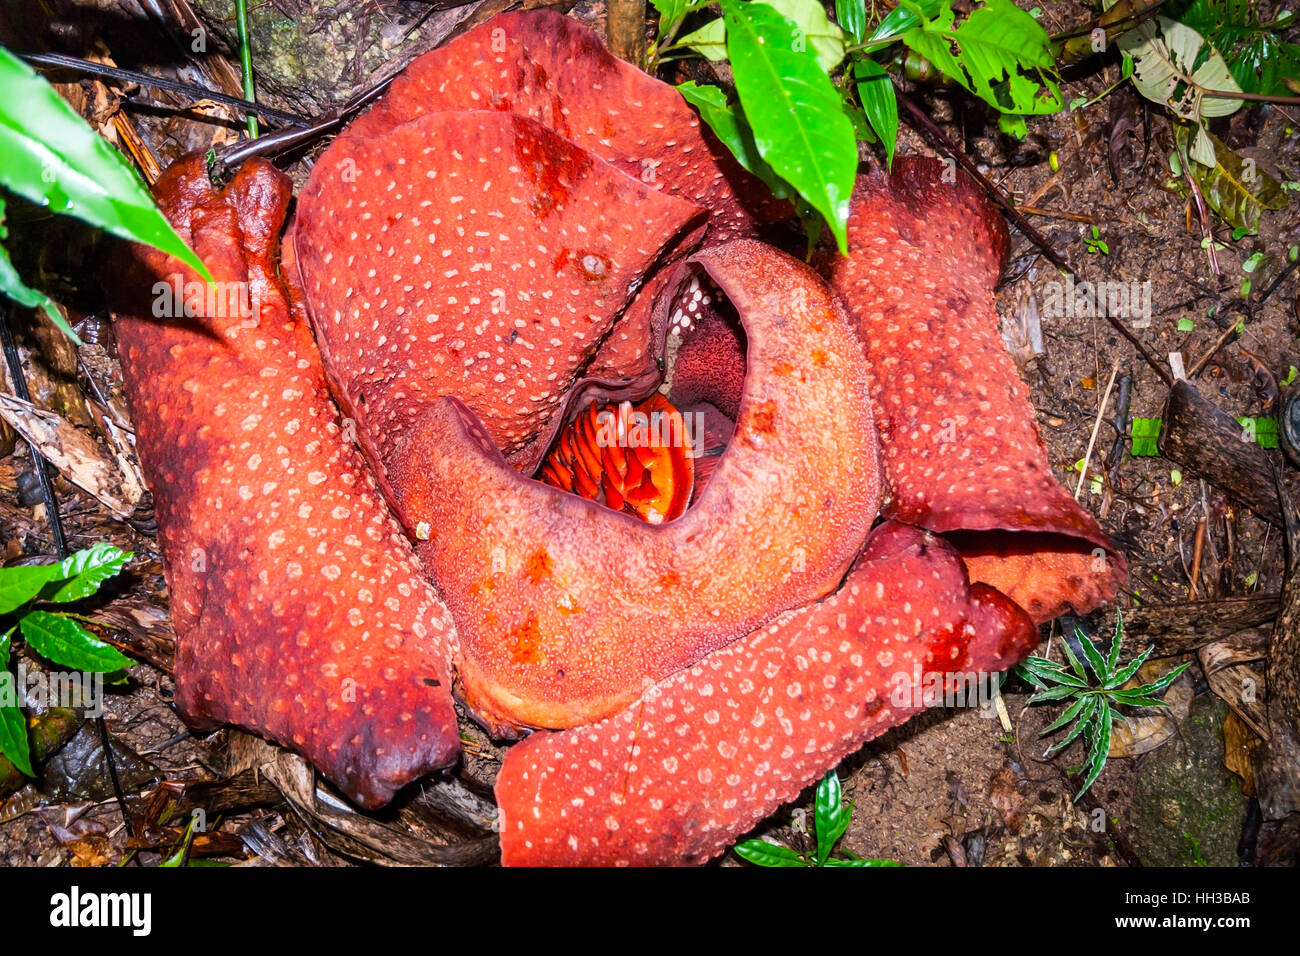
{"x":1145,"y":433}
{"x":1093,"y":703}
{"x":831,"y":819}
{"x":1096,"y":243}
{"x":55,"y":636}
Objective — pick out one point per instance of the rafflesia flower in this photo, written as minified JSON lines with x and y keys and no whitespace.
{"x":523,"y":228}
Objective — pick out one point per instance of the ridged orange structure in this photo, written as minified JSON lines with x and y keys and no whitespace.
{"x":635,"y":459}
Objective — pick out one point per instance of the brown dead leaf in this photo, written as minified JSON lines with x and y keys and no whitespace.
{"x":1149,"y":728}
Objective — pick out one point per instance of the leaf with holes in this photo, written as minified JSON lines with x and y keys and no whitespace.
{"x":999,"y":53}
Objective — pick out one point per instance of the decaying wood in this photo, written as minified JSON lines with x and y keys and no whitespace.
{"x":1277,"y":775}
{"x":627,"y":30}
{"x":1203,"y":438}
{"x":1183,"y":628}
{"x":1233,"y":674}
{"x":106,"y":475}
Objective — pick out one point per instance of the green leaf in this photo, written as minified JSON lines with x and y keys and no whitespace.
{"x":13,"y":724}
{"x":794,"y":110}
{"x":1068,"y":715}
{"x":1085,"y":714}
{"x":1157,"y":686}
{"x":1074,"y":661}
{"x":1050,"y":670}
{"x":999,"y":53}
{"x":63,"y":641}
{"x":1145,"y":433}
{"x":1095,"y":660}
{"x":1113,"y":657}
{"x":1029,"y":677}
{"x":1053,"y":693}
{"x":1125,"y":675}
{"x":762,"y":853}
{"x":861,"y":862}
{"x":879,"y":103}
{"x":1257,"y":58}
{"x":831,"y":817}
{"x":19,"y":585}
{"x":87,"y":570}
{"x":1131,"y":698}
{"x":807,"y":18}
{"x":732,"y":129}
{"x":670,"y":14}
{"x":50,"y":156}
{"x":901,"y":19}
{"x":1099,"y":745}
{"x":12,"y":285}
{"x":852,"y":16}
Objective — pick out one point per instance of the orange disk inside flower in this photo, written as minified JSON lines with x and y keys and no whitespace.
{"x":633,"y":458}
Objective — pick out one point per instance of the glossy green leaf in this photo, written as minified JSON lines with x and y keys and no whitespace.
{"x":50,"y":156}
{"x":1099,"y":734}
{"x":1050,"y":671}
{"x":1125,"y":674}
{"x":1095,"y":661}
{"x":858,"y":861}
{"x":1146,"y":432}
{"x":1157,"y":686}
{"x":86,"y":570}
{"x":18,"y":585}
{"x":1081,"y":722}
{"x":762,"y":853}
{"x":672,"y":12}
{"x":811,"y":28}
{"x":794,"y":110}
{"x":902,"y":18}
{"x":13,"y":723}
{"x":730,"y":126}
{"x":1053,"y":693}
{"x":1071,"y":712}
{"x":831,"y":817}
{"x":876,"y":90}
{"x":63,"y":641}
{"x":852,"y":16}
{"x":1075,"y":665}
{"x":1113,"y":657}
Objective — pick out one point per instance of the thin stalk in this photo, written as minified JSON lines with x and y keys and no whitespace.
{"x":246,"y":61}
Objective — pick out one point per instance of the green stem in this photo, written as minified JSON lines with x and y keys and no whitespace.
{"x":246,"y":61}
